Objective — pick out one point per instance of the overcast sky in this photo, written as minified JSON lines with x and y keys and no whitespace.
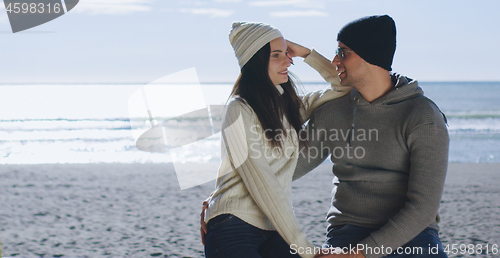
{"x":139,"y":41}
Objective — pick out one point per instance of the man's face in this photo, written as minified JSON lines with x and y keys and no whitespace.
{"x":352,"y":69}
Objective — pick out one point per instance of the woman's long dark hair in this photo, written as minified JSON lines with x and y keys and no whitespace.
{"x":255,"y":86}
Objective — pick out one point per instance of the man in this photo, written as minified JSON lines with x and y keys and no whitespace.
{"x":389,"y":146}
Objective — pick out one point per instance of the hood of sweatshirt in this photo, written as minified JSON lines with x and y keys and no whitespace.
{"x":405,"y":88}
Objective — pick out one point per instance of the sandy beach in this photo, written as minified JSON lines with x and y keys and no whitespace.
{"x":138,"y":210}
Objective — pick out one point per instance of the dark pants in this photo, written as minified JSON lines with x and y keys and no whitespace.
{"x":425,"y":244}
{"x":229,"y":236}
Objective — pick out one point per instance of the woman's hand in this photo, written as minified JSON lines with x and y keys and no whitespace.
{"x":203,"y":225}
{"x":295,"y":49}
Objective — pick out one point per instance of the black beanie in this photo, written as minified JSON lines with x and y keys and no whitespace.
{"x":373,"y":38}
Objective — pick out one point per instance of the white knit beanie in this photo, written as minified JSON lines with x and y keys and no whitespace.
{"x":248,"y":37}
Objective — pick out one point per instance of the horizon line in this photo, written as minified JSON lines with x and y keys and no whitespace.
{"x":145,"y":83}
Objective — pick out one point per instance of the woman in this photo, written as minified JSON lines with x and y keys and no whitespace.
{"x":250,"y":212}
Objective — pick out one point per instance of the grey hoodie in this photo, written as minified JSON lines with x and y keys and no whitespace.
{"x":390,"y":157}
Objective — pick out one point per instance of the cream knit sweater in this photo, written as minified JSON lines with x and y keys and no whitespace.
{"x":254,"y":179}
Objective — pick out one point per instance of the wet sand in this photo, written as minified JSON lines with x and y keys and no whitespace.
{"x":138,"y":210}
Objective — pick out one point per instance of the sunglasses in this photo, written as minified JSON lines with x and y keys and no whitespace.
{"x":340,"y":52}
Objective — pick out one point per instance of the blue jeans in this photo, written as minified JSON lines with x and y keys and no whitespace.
{"x":229,"y":236}
{"x":425,"y":244}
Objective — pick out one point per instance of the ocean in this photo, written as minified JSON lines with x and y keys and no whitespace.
{"x":96,"y":123}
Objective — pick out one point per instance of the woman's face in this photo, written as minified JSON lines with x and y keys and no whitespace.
{"x":278,"y":61}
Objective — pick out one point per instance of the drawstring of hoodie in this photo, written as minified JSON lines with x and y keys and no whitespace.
{"x":354,"y":109}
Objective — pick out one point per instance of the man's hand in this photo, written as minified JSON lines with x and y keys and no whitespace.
{"x":326,"y":253}
{"x":295,"y":49}
{"x":360,"y":255}
{"x":336,"y":253}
